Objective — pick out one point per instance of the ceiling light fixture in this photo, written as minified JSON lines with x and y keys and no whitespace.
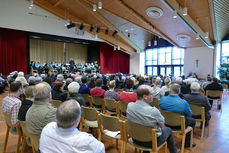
{"x":71,"y":25}
{"x":197,"y":36}
{"x":118,"y":47}
{"x":107,"y":31}
{"x":100,"y":4}
{"x":81,"y":26}
{"x":31,"y":4}
{"x":155,"y":42}
{"x":185,"y":11}
{"x":91,"y":28}
{"x":175,"y":14}
{"x":115,"y":33}
{"x":149,"y":43}
{"x":94,"y":7}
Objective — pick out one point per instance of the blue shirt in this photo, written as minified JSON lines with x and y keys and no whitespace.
{"x":84,"y":89}
{"x":173,"y":103}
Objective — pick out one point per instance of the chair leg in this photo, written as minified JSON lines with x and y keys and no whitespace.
{"x":19,"y":140}
{"x":116,"y":143}
{"x":183,"y":142}
{"x":202,"y":132}
{"x":123,"y":149}
{"x":166,"y":148}
{"x":208,"y":127}
{"x":191,"y":139}
{"x":23,"y":144}
{"x":6,"y":139}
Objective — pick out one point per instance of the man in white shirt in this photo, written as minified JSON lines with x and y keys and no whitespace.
{"x":63,"y":136}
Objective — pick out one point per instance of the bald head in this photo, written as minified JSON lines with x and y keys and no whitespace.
{"x":143,"y":90}
{"x":42,"y":91}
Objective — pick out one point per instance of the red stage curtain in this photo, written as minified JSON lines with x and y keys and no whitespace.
{"x":12,"y":51}
{"x":113,"y":61}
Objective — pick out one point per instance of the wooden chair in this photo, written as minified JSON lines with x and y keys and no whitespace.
{"x":25,"y":135}
{"x":89,"y":118}
{"x":122,"y":107}
{"x":225,"y":88}
{"x":55,"y":103}
{"x":111,"y":106}
{"x":155,"y":103}
{"x":35,"y":141}
{"x":88,"y":99}
{"x":217,"y":94}
{"x":177,"y":120}
{"x":134,"y":130}
{"x":9,"y":126}
{"x":108,"y":124}
{"x":200,"y":111}
{"x":98,"y":103}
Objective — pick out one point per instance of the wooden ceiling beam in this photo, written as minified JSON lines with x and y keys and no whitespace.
{"x":61,"y":13}
{"x":188,"y":20}
{"x":58,"y":2}
{"x":102,"y":19}
{"x":152,"y":29}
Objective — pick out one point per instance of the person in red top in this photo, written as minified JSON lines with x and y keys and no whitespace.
{"x":128,"y":95}
{"x":98,"y":91}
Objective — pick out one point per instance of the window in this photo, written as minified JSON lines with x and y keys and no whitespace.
{"x":165,"y":61}
{"x":225,"y":52}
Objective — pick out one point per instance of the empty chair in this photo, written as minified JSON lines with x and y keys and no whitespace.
{"x":200,"y":111}
{"x":55,"y":103}
{"x":122,"y":108}
{"x":10,"y":126}
{"x":98,"y":103}
{"x":177,"y":120}
{"x":86,"y":97}
{"x":215,"y":95}
{"x":135,"y":131}
{"x":109,"y":126}
{"x":111,"y":106}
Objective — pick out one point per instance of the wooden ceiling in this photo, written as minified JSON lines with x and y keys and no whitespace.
{"x":134,"y":11}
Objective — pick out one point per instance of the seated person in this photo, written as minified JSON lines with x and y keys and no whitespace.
{"x":142,"y":113}
{"x":98,"y":91}
{"x":128,"y":95}
{"x":166,"y":87}
{"x":111,"y":94}
{"x":173,"y":103}
{"x":84,"y":89}
{"x":64,"y":137}
{"x":73,"y":89}
{"x":26,"y":103}
{"x":196,"y":98}
{"x":57,"y":93}
{"x":68,"y":81}
{"x":156,"y":89}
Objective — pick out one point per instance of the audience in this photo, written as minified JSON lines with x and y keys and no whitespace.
{"x":26,"y":103}
{"x":73,"y":89}
{"x":165,"y":89}
{"x":84,"y":89}
{"x":196,"y":98}
{"x":41,"y":112}
{"x":57,"y":93}
{"x":142,"y":113}
{"x":11,"y":103}
{"x":128,"y":95}
{"x":64,"y":137}
{"x":98,"y":91}
{"x":156,"y":90}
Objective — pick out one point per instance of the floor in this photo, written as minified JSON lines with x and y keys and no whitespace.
{"x":217,"y":142}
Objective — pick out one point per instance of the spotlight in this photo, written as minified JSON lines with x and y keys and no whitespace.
{"x":206,"y":35}
{"x":197,"y":36}
{"x":128,"y":35}
{"x":97,"y":29}
{"x":149,"y":43}
{"x":91,"y":28}
{"x":115,"y":47}
{"x":100,"y":5}
{"x":118,"y":47}
{"x":175,"y":14}
{"x":115,"y":33}
{"x":106,"y":31}
{"x":94,"y":7}
{"x":81,"y":26}
{"x":185,"y":11}
{"x":31,"y":4}
{"x":155,"y":42}
{"x":71,"y":25}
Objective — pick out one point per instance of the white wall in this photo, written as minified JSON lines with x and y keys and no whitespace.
{"x":205,"y":64}
{"x":14,"y":15}
{"x":137,"y":63}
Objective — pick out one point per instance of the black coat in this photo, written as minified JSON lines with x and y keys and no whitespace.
{"x":26,"y":104}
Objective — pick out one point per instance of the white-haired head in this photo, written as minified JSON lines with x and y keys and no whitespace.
{"x":21,"y":74}
{"x":73,"y":87}
{"x":60,"y":78}
{"x":195,"y":87}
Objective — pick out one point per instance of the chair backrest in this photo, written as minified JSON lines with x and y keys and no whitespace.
{"x":108,"y":122}
{"x":97,"y":101}
{"x":24,"y":129}
{"x":110,"y":104}
{"x":8,"y":120}
{"x":155,"y":103}
{"x":89,"y":113}
{"x":86,"y":97}
{"x":214,"y":93}
{"x":174,"y":119}
{"x":55,"y":103}
{"x":35,"y":140}
{"x":201,"y":90}
{"x":198,"y":110}
{"x":123,"y":106}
